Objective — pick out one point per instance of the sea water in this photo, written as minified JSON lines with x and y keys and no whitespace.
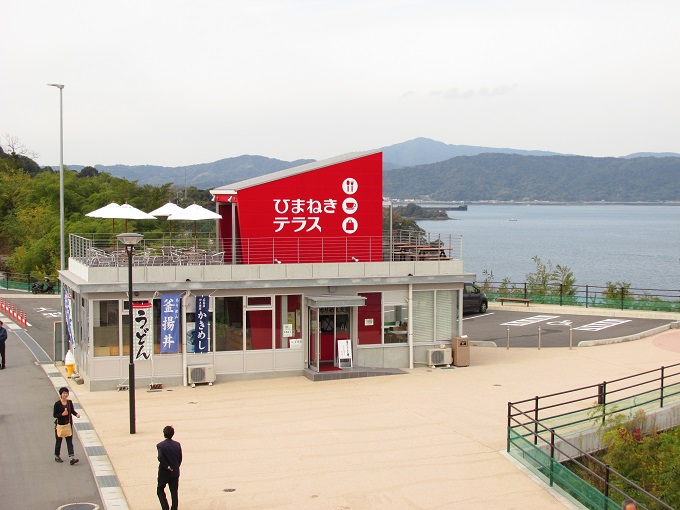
{"x":599,"y":243}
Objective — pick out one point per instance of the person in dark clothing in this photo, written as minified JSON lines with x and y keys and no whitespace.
{"x":63,"y":409}
{"x":169,"y":461}
{"x":3,"y":338}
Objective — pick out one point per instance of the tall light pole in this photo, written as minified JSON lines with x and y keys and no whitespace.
{"x":62,"y":264}
{"x":129,"y":240}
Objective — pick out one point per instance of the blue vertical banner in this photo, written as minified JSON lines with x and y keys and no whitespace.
{"x":202,"y":339}
{"x":170,"y":325}
{"x":68,"y":320}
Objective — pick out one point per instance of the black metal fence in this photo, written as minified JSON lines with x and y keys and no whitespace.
{"x":25,"y":281}
{"x":537,"y":430}
{"x":589,"y":296}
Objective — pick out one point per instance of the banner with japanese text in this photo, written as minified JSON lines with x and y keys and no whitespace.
{"x":202,"y":338}
{"x":69,"y":316}
{"x":170,"y":325}
{"x":142,"y":329}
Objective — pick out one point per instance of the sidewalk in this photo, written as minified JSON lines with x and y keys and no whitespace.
{"x":430,"y":439}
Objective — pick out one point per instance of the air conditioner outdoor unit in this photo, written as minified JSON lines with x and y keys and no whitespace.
{"x":201,"y":374}
{"x":439,"y":357}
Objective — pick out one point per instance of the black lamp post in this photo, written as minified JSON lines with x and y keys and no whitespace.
{"x":130,"y":240}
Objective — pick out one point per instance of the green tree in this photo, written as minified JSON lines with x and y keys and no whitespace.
{"x":538,"y":282}
{"x":563,"y":277}
{"x":645,"y":456}
{"x":615,"y":290}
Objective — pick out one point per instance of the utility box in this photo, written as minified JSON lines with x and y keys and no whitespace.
{"x":461,"y":351}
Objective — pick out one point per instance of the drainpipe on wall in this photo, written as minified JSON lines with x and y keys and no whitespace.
{"x":185,"y":382}
{"x":460,"y":311}
{"x":409,"y":332}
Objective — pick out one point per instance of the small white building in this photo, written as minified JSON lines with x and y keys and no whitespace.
{"x":299,"y":277}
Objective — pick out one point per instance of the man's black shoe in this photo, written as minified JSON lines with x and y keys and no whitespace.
{"x":57,"y":459}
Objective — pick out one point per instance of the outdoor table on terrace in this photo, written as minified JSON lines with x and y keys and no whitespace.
{"x":420,"y":252}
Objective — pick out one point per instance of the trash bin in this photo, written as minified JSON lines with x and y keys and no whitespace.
{"x":461,"y":351}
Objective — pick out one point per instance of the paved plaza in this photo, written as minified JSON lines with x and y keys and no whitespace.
{"x":433,"y":438}
{"x":430,"y":439}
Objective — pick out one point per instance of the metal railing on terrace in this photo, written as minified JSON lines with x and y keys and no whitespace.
{"x":206,"y":249}
{"x":589,"y":296}
{"x":537,"y":428}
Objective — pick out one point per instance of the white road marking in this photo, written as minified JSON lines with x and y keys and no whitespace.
{"x":603,"y":324}
{"x":530,"y":320}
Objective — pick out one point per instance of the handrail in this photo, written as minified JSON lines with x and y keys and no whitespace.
{"x":535,"y":420}
{"x":277,"y":250}
{"x":593,"y":296}
{"x":554,"y":447}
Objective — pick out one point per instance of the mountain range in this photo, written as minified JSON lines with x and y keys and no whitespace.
{"x":429,"y":169}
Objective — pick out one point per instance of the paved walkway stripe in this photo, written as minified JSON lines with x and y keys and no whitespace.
{"x":105,"y":476}
{"x":108,"y":485}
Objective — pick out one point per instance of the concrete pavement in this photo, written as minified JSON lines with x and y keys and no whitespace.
{"x":430,"y":439}
{"x":29,"y":477}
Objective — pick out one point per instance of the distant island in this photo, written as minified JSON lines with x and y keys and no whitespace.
{"x":415,"y":212}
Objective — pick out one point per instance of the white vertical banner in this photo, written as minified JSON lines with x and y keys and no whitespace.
{"x":142,"y":330}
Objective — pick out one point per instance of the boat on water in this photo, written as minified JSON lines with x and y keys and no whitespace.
{"x":512,"y":219}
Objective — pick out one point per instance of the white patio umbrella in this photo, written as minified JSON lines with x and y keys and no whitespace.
{"x":166,"y":210}
{"x":194,"y":213}
{"x":105,"y":212}
{"x":122,"y":212}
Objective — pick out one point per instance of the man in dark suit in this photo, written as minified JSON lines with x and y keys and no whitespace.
{"x":169,"y":461}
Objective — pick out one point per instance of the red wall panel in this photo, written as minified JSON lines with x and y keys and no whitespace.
{"x":332,"y":214}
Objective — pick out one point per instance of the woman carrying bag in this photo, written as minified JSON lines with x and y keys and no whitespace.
{"x":63,"y":409}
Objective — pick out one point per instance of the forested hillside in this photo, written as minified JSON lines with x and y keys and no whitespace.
{"x":29,"y":210}
{"x":509,"y":177}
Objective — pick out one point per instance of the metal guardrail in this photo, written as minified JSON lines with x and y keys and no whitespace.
{"x":589,"y":296}
{"x":543,"y":421}
{"x":93,"y":248}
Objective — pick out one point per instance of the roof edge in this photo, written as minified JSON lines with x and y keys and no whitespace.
{"x":231,"y":189}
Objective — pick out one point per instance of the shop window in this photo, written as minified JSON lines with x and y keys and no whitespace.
{"x":289,"y":322}
{"x":259,"y":301}
{"x":395,"y":324}
{"x":229,"y":323}
{"x":423,"y":316}
{"x":105,"y":331}
{"x":259,"y":329}
{"x":434,"y":315}
{"x":446,"y":314}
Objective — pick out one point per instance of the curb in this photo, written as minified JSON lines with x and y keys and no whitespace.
{"x":109,"y":487}
{"x":629,"y":338}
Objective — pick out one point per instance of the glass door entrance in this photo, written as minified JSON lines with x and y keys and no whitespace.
{"x":327,"y":326}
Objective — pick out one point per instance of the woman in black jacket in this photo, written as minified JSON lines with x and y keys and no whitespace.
{"x":63,"y":409}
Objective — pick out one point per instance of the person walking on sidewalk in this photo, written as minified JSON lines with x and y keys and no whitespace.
{"x":63,"y":409}
{"x":169,"y":461}
{"x":3,"y":338}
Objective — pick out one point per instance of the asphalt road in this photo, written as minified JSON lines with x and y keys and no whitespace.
{"x":29,"y":476}
{"x":555,"y":328}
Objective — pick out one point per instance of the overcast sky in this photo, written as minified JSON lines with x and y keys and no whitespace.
{"x":175,"y":82}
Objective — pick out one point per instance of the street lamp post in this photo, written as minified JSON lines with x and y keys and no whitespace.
{"x":130,"y":240}
{"x":62,"y":265}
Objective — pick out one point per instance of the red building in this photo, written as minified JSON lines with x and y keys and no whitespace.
{"x":304,"y":275}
